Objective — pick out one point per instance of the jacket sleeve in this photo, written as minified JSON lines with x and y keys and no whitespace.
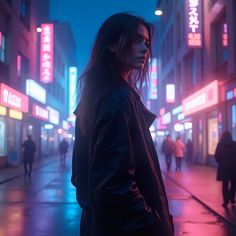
{"x":80,"y":163}
{"x":115,"y":192}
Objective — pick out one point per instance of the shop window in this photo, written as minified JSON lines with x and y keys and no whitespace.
{"x":3,"y":145}
{"x":234,"y":122}
{"x":220,"y":43}
{"x":213,"y":135}
{"x":2,"y":47}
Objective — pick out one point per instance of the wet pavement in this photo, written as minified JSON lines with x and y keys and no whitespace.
{"x":45,"y":205}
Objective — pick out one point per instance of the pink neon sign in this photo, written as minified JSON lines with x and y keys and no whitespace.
{"x":40,"y":112}
{"x":46,"y":53}
{"x":203,"y":98}
{"x":225,"y":35}
{"x":193,"y":12}
{"x":0,"y":39}
{"x":13,"y":99}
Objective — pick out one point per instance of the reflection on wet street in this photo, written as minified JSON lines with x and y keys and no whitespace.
{"x":45,"y":205}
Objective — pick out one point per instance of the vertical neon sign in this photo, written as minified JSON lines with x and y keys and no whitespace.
{"x":0,"y":40}
{"x":72,"y":89}
{"x":46,"y":53}
{"x":225,"y":35}
{"x":152,"y":90}
{"x":193,"y":13}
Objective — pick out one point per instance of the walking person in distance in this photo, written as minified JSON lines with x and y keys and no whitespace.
{"x":121,"y":192}
{"x":28,"y":156}
{"x":167,"y":149}
{"x":63,"y":148}
{"x":179,"y":153}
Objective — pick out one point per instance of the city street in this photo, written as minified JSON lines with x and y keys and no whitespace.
{"x":45,"y":205}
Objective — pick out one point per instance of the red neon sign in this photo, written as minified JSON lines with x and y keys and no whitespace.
{"x":193,"y":14}
{"x":13,"y":99}
{"x":204,"y":98}
{"x":46,"y":53}
{"x":40,"y":112}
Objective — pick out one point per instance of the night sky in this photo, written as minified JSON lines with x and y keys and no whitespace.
{"x":85,"y":17}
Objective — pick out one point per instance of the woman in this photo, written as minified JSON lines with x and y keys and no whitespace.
{"x":115,"y":165}
{"x":225,"y":156}
{"x":179,"y":153}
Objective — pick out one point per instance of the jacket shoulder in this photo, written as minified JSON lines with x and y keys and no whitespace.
{"x":121,"y":98}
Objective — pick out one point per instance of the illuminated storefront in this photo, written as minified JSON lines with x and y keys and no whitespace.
{"x":16,"y":103}
{"x":201,"y":108}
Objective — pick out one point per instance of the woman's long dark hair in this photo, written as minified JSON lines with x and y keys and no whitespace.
{"x":101,"y":71}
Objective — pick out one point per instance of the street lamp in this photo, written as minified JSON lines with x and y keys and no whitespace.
{"x":158,"y":12}
{"x":39,"y":29}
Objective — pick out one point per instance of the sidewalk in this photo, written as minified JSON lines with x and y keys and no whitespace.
{"x":9,"y":173}
{"x":200,"y":182}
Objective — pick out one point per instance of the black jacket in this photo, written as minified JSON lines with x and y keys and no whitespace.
{"x":225,"y":156}
{"x":116,"y":171}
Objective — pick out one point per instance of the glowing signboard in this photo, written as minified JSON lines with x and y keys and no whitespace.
{"x":3,"y":111}
{"x":225,"y":35}
{"x":170,"y":93}
{"x":0,"y":39}
{"x":15,"y":114}
{"x":166,"y":118}
{"x":193,"y":13}
{"x":13,"y":98}
{"x":53,"y":115}
{"x":152,"y":90}
{"x":18,"y":65}
{"x":204,"y":98}
{"x":46,"y":53}
{"x":72,"y":88}
{"x":35,"y":91}
{"x":40,"y":112}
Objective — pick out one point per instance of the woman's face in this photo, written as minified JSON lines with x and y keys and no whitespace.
{"x":139,"y":49}
{"x":138,"y":54}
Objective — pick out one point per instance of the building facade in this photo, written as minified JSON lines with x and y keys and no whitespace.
{"x":197,"y":73}
{"x":28,"y":105}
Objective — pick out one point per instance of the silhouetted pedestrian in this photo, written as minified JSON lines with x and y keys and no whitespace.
{"x":29,"y":150}
{"x":189,"y":150}
{"x":225,"y":156}
{"x":179,"y":153}
{"x":122,"y":193}
{"x":167,"y":149}
{"x":63,"y":148}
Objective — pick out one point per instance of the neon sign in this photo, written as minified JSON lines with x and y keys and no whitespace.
{"x":170,"y":93}
{"x":204,"y":98}
{"x":152,"y":91}
{"x":46,"y":52}
{"x":36,"y":91}
{"x":72,"y":88}
{"x":40,"y":112}
{"x":193,"y":11}
{"x":13,"y":99}
{"x":225,"y":35}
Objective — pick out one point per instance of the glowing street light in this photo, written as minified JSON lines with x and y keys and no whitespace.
{"x":39,"y":29}
{"x":158,"y":12}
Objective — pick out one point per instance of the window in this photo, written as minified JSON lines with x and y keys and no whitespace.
{"x":220,"y":37}
{"x":25,"y":12}
{"x":22,"y":67}
{"x":2,"y":47}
